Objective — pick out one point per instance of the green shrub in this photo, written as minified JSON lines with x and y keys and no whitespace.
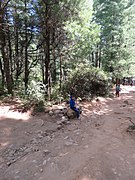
{"x":86,"y":82}
{"x":39,"y":107}
{"x":36,"y":91}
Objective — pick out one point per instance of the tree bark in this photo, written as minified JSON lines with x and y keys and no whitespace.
{"x":2,"y":73}
{"x":26,"y":73}
{"x":4,"y":51}
{"x":60,"y":70}
{"x":47,"y":49}
{"x":96,"y":57}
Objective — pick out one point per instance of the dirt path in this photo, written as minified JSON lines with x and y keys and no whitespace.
{"x":95,"y":148}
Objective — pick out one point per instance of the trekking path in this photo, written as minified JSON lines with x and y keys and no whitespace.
{"x":97,"y":147}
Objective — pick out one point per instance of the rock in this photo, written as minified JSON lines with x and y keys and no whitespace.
{"x":59,"y":127}
{"x":46,"y":152}
{"x":40,"y":136}
{"x":57,"y":111}
{"x":46,"y":111}
{"x":70,"y":113}
{"x":69,"y":142}
{"x":8,"y":163}
{"x":67,"y":122}
{"x":64,"y":110}
{"x":66,"y":137}
{"x":61,"y":111}
{"x":59,"y":123}
{"x":64,"y":118}
{"x":126,"y":102}
{"x":41,"y":170}
{"x":44,"y":162}
{"x":51,"y":113}
{"x":34,"y":161}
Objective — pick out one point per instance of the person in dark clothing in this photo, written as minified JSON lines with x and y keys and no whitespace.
{"x":117,"y":90}
{"x":73,"y":106}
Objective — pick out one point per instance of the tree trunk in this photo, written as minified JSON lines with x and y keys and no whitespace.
{"x":4,"y":51}
{"x":100,"y":57}
{"x":92,"y":58}
{"x":17,"y":69}
{"x":26,"y":73}
{"x":10,"y":50}
{"x":60,"y":70}
{"x":47,"y":49}
{"x":54,"y":68}
{"x":96,"y":57}
{"x":2,"y":73}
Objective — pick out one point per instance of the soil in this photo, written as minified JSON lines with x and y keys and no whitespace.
{"x":96,"y":147}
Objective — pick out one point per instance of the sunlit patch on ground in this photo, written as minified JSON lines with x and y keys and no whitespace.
{"x":4,"y":144}
{"x":86,"y":178}
{"x":5,"y":112}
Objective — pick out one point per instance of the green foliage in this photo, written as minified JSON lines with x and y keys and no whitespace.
{"x":86,"y":82}
{"x":110,"y":16}
{"x":103,"y":39}
{"x":83,"y":33}
{"x":36,"y":91}
{"x":39,"y":107}
{"x":56,"y":94}
{"x":129,"y":37}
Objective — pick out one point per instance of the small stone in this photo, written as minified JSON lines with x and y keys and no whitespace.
{"x":48,"y":159}
{"x":68,"y":122}
{"x":57,"y":111}
{"x":86,"y":146}
{"x":44,"y":162}
{"x":58,"y":122}
{"x":64,"y":118}
{"x":46,"y":152}
{"x":46,"y":111}
{"x":17,"y":177}
{"x":41,"y":170}
{"x":39,"y":132}
{"x":60,"y":115}
{"x":40,"y":136}
{"x":64,"y":110}
{"x":34,"y":161}
{"x":68,"y":143}
{"x":8,"y":163}
{"x":66,"y":137}
{"x":35,"y":174}
{"x":50,"y":113}
{"x":59,"y":127}
{"x":17,"y":172}
{"x":126,"y":102}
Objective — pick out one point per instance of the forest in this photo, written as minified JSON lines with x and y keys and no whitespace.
{"x":49,"y":48}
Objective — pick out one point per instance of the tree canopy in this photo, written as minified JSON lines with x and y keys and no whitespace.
{"x":43,"y":41}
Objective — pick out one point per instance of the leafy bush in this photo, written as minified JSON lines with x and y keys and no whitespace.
{"x":36,"y":91}
{"x":86,"y":82}
{"x":39,"y":107}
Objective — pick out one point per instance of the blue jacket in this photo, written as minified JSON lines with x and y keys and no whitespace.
{"x":117,"y":87}
{"x":72,"y":102}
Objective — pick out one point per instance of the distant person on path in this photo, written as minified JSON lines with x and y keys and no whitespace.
{"x":117,"y":90}
{"x":73,"y":106}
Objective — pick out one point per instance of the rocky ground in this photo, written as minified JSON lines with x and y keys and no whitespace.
{"x":47,"y":146}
